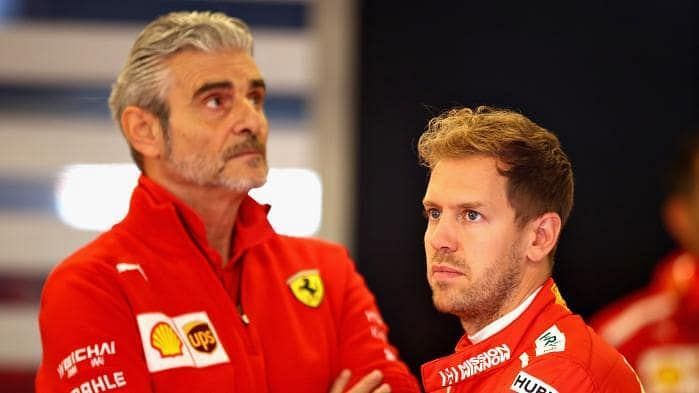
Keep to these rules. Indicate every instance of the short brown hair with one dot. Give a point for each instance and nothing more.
(540, 176)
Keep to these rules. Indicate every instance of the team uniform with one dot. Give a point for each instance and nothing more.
(540, 347)
(149, 306)
(657, 328)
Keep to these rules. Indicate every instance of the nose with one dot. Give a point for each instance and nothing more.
(249, 118)
(442, 236)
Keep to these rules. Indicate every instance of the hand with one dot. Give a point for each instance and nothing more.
(368, 384)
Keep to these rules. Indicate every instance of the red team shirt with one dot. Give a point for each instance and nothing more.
(148, 307)
(545, 349)
(657, 328)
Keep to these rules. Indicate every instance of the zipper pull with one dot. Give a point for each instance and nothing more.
(243, 316)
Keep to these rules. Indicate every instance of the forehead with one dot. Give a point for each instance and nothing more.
(192, 68)
(472, 179)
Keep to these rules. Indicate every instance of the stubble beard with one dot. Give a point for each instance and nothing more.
(209, 171)
(481, 301)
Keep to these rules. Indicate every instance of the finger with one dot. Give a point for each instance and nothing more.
(368, 383)
(341, 381)
(384, 388)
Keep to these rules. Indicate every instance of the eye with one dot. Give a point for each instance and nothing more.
(256, 98)
(472, 215)
(432, 214)
(213, 102)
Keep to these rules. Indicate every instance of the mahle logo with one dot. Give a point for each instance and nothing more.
(164, 338)
(200, 336)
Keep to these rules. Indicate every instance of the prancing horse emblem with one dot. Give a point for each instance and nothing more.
(307, 287)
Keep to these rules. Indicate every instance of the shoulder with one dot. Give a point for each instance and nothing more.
(311, 244)
(91, 268)
(572, 339)
(570, 355)
(323, 254)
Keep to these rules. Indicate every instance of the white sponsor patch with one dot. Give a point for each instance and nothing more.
(68, 367)
(669, 368)
(373, 317)
(187, 340)
(126, 267)
(201, 339)
(552, 340)
(162, 344)
(525, 383)
(102, 383)
(524, 358)
(475, 365)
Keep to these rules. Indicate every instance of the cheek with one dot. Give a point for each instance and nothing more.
(426, 243)
(483, 245)
(264, 133)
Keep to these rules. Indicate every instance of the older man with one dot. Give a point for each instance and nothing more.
(500, 190)
(193, 291)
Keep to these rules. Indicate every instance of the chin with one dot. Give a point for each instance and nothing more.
(443, 300)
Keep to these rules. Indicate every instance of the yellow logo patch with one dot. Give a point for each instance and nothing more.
(165, 340)
(558, 296)
(307, 286)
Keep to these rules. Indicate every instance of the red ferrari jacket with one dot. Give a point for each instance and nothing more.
(149, 307)
(546, 349)
(657, 328)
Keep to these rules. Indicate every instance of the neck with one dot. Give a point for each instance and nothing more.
(216, 206)
(218, 209)
(530, 282)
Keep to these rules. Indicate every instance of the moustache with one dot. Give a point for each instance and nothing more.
(251, 144)
(448, 259)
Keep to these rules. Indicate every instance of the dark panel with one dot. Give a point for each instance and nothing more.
(282, 14)
(91, 101)
(34, 195)
(22, 289)
(616, 82)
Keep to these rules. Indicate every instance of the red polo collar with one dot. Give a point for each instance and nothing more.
(160, 218)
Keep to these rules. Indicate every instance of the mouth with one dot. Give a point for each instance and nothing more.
(445, 272)
(245, 153)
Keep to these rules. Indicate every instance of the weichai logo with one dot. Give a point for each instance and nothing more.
(200, 336)
(164, 338)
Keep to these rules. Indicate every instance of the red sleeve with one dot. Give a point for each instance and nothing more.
(363, 338)
(89, 336)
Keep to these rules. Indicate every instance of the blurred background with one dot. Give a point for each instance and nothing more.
(351, 86)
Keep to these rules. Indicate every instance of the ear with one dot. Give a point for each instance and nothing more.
(143, 131)
(545, 230)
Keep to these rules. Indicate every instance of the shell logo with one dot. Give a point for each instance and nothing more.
(164, 338)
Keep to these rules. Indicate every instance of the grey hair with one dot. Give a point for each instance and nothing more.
(143, 80)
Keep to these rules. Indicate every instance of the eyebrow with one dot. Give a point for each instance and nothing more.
(212, 86)
(258, 83)
(466, 205)
(206, 87)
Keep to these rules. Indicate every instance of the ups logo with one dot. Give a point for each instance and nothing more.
(200, 336)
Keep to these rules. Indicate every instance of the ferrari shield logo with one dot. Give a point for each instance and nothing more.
(307, 286)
